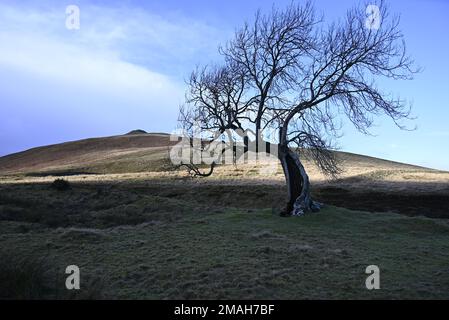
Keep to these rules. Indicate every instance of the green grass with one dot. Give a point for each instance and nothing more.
(33, 277)
(142, 244)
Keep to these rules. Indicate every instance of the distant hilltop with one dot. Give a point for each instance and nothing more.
(136, 151)
(138, 131)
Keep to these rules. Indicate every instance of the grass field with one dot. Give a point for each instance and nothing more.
(161, 235)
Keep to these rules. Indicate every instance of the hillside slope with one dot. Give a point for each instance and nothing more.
(124, 153)
(136, 152)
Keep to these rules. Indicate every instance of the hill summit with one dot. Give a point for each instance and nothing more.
(138, 131)
(136, 151)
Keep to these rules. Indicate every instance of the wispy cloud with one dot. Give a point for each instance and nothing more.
(125, 66)
(126, 38)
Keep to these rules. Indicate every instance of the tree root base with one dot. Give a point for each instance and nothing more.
(302, 209)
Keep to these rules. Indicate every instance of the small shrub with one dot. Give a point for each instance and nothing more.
(61, 185)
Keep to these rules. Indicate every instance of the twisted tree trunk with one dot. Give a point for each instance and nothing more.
(298, 185)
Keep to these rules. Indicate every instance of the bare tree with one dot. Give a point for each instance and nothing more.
(290, 71)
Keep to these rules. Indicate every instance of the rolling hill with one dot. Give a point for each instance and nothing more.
(131, 225)
(366, 183)
(136, 151)
(132, 152)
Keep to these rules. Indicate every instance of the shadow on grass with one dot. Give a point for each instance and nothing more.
(31, 278)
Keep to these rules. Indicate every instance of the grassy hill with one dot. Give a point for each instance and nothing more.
(136, 151)
(132, 152)
(366, 183)
(137, 230)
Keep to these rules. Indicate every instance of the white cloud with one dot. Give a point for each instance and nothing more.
(103, 71)
(123, 69)
(37, 42)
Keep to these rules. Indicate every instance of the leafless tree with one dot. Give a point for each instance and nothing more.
(291, 71)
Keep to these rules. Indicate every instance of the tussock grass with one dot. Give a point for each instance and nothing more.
(203, 241)
(138, 229)
(23, 278)
(35, 277)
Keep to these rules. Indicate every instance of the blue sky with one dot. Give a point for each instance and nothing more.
(125, 67)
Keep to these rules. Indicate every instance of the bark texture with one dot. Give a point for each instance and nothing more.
(298, 185)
